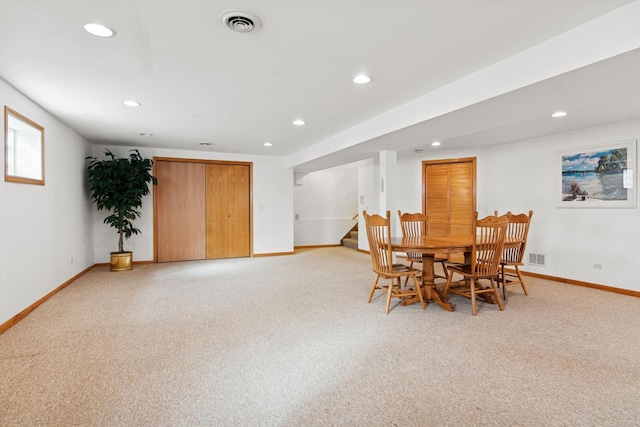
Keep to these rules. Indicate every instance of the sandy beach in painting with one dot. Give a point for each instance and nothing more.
(586, 186)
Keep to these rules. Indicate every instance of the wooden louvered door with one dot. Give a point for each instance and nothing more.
(449, 197)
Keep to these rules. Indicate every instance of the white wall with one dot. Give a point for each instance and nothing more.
(272, 206)
(524, 175)
(324, 205)
(45, 231)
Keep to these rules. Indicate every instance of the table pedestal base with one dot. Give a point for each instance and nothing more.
(430, 293)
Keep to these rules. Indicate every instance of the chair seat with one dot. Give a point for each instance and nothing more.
(401, 269)
(511, 263)
(460, 268)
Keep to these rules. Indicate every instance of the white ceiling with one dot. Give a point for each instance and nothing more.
(200, 82)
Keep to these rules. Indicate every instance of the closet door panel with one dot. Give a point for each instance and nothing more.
(437, 198)
(217, 212)
(462, 206)
(180, 211)
(238, 209)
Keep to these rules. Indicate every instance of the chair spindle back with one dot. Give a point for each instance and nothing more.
(518, 229)
(488, 244)
(413, 224)
(379, 231)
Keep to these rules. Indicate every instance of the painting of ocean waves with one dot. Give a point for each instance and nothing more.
(596, 185)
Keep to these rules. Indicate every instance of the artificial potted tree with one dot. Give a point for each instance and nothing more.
(117, 185)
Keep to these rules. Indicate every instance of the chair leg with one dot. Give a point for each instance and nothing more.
(524, 287)
(419, 289)
(389, 292)
(374, 287)
(494, 286)
(444, 270)
(446, 287)
(472, 284)
(504, 283)
(406, 279)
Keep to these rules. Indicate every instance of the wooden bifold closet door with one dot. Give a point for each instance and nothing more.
(202, 210)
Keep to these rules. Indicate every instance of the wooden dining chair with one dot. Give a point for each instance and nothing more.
(512, 256)
(417, 224)
(486, 253)
(379, 234)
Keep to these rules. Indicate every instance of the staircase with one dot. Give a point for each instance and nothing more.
(351, 239)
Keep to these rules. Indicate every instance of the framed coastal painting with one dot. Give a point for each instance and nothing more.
(601, 176)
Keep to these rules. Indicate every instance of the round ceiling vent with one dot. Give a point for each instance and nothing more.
(240, 20)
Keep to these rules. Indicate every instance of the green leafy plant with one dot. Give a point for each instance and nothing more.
(117, 184)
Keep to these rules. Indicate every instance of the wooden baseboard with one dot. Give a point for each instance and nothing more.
(107, 264)
(316, 246)
(15, 319)
(273, 254)
(584, 284)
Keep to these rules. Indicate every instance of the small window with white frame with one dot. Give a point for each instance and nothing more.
(23, 149)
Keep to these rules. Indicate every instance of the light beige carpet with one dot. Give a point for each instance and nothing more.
(291, 341)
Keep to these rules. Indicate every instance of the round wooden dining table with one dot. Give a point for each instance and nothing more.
(429, 246)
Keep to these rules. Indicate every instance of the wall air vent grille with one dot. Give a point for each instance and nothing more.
(536, 259)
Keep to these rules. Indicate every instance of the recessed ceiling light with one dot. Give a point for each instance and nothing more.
(418, 151)
(435, 143)
(559, 114)
(267, 144)
(99, 30)
(361, 79)
(145, 134)
(298, 122)
(130, 103)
